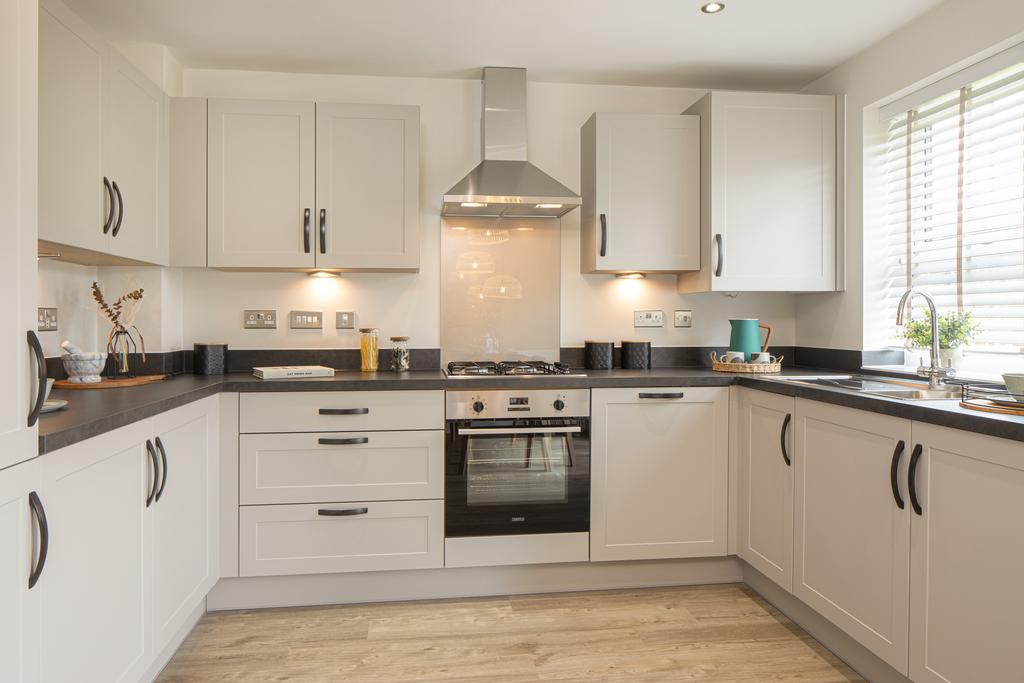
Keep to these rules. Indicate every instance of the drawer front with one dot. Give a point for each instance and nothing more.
(351, 466)
(306, 539)
(340, 411)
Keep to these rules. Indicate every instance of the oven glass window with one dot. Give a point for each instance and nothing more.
(513, 469)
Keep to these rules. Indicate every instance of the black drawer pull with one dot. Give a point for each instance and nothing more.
(604, 235)
(110, 212)
(163, 459)
(782, 439)
(676, 394)
(156, 472)
(349, 512)
(344, 411)
(915, 456)
(351, 441)
(120, 209)
(37, 404)
(894, 471)
(36, 507)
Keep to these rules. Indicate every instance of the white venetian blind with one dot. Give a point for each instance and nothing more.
(955, 206)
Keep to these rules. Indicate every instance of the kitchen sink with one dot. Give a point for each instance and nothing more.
(887, 387)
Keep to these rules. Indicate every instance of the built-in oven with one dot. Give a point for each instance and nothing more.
(517, 462)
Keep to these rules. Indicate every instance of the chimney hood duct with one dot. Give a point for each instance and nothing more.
(505, 183)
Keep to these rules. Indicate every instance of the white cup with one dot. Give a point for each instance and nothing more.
(762, 357)
(734, 357)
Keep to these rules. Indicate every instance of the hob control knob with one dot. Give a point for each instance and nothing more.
(478, 406)
(559, 404)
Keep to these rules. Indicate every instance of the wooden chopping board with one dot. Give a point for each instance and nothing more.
(110, 383)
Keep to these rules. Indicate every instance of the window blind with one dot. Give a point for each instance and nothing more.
(954, 207)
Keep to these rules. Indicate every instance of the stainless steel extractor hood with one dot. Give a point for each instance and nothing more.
(505, 183)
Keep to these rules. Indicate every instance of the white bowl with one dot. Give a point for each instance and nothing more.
(84, 368)
(1015, 385)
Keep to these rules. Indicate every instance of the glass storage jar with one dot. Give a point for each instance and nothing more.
(368, 346)
(399, 353)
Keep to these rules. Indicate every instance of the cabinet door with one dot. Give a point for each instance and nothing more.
(852, 539)
(94, 600)
(773, 191)
(659, 478)
(73, 202)
(766, 484)
(646, 202)
(261, 184)
(967, 552)
(133, 127)
(20, 540)
(367, 186)
(184, 519)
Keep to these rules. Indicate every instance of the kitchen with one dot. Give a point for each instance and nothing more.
(562, 483)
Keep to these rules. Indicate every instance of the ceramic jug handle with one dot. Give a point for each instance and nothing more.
(767, 337)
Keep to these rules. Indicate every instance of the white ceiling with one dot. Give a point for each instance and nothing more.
(770, 44)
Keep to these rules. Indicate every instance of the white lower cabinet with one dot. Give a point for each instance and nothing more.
(967, 551)
(659, 473)
(852, 560)
(20, 535)
(766, 453)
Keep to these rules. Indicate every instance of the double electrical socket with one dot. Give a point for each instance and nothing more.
(259, 319)
(648, 319)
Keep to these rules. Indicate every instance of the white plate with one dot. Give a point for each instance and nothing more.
(53, 405)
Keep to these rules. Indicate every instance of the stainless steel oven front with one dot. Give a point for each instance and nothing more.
(517, 462)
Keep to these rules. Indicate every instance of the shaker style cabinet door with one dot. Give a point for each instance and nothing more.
(20, 537)
(641, 193)
(967, 545)
(659, 473)
(367, 186)
(767, 456)
(852, 560)
(261, 188)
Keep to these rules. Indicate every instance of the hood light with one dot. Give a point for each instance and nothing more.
(473, 205)
(631, 276)
(712, 7)
(549, 206)
(323, 274)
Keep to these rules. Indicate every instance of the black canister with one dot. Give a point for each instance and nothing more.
(636, 355)
(598, 355)
(209, 359)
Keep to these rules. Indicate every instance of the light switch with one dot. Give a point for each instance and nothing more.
(684, 319)
(344, 320)
(306, 320)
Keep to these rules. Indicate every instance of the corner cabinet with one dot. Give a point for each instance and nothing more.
(641, 193)
(768, 193)
(303, 185)
(659, 473)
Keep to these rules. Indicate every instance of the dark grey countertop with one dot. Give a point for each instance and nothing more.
(93, 412)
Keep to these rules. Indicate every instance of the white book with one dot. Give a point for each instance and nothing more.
(292, 371)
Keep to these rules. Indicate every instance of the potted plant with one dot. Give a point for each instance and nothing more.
(956, 330)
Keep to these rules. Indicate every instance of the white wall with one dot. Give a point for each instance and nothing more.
(593, 306)
(950, 37)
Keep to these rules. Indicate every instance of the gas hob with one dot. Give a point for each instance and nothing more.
(513, 368)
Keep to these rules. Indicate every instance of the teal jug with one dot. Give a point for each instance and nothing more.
(746, 337)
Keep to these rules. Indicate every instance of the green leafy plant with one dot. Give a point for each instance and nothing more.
(956, 329)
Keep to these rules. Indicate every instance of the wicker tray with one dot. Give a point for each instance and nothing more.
(746, 368)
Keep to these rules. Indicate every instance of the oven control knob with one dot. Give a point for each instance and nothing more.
(559, 404)
(478, 406)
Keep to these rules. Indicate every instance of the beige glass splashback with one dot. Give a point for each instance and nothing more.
(500, 288)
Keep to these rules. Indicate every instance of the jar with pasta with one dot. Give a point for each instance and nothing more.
(399, 354)
(368, 347)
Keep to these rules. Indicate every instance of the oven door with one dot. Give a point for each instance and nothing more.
(524, 476)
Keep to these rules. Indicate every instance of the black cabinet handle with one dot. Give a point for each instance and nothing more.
(156, 472)
(344, 411)
(36, 507)
(353, 441)
(120, 209)
(37, 405)
(350, 512)
(305, 231)
(604, 234)
(721, 256)
(782, 439)
(644, 394)
(894, 470)
(163, 459)
(912, 478)
(323, 231)
(110, 204)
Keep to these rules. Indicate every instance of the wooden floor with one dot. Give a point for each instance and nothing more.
(703, 633)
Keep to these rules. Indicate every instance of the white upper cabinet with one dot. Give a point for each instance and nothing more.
(768, 208)
(367, 186)
(102, 150)
(261, 184)
(641, 193)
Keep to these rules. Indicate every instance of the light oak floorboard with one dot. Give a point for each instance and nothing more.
(701, 633)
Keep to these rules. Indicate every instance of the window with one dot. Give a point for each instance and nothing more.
(954, 184)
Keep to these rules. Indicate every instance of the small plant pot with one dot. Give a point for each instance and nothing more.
(952, 358)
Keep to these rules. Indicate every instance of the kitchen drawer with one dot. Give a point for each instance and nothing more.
(352, 466)
(340, 411)
(305, 539)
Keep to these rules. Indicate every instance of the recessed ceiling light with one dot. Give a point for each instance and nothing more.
(631, 276)
(712, 7)
(323, 273)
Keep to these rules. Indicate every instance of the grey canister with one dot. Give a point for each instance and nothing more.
(598, 355)
(636, 355)
(209, 359)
